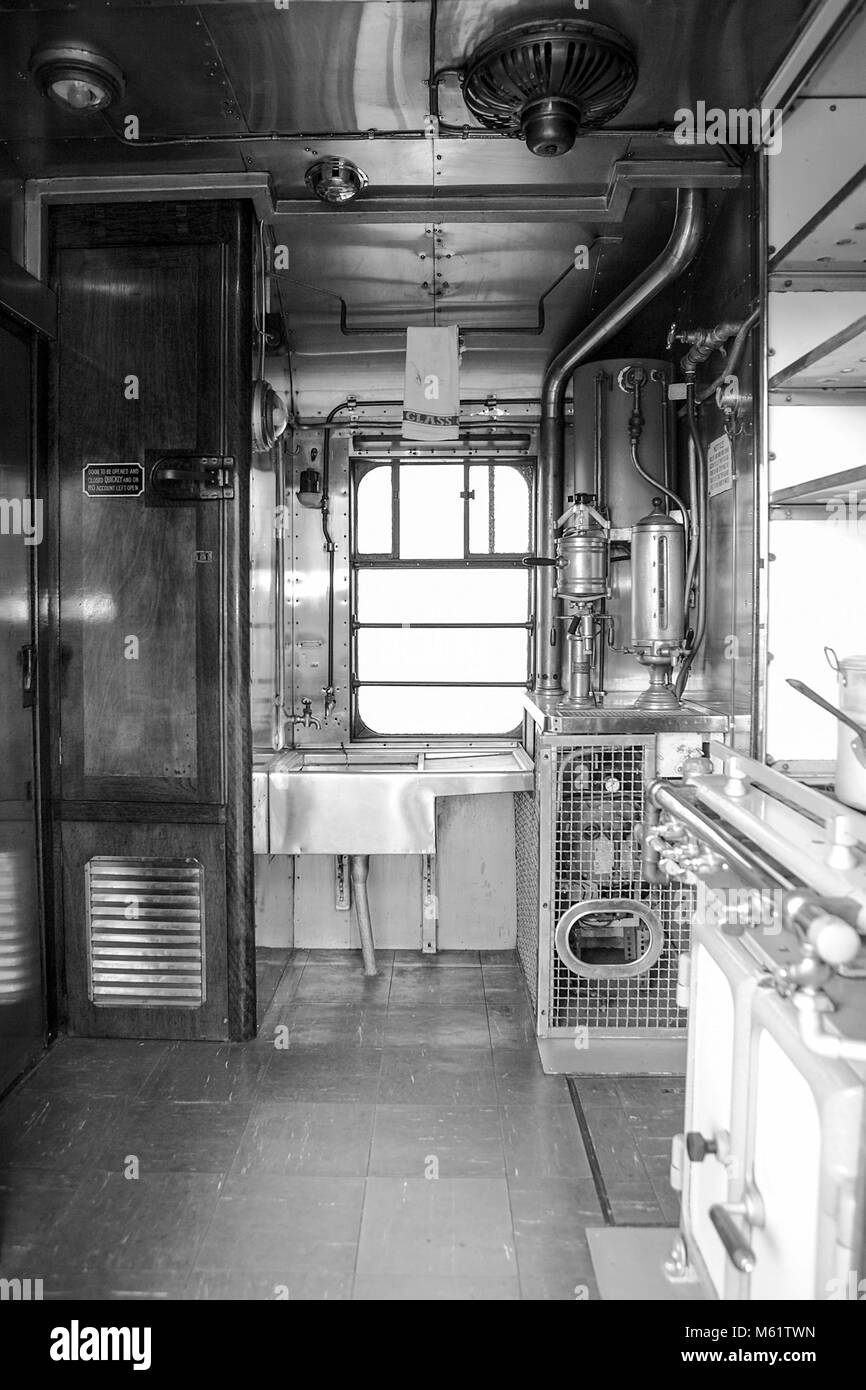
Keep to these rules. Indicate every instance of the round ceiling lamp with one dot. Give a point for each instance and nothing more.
(335, 180)
(76, 77)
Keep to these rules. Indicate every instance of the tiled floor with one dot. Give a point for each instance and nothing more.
(631, 1121)
(392, 1138)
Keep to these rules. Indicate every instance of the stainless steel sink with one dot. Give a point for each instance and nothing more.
(382, 801)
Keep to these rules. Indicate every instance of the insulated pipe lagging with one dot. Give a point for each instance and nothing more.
(682, 245)
(360, 869)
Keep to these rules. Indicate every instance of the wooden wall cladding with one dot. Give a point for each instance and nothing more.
(149, 619)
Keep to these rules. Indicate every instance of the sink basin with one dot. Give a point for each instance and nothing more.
(377, 801)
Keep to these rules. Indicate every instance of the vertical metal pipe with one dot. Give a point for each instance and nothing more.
(278, 726)
(677, 255)
(360, 868)
(760, 506)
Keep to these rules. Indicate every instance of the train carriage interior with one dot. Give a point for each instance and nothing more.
(433, 720)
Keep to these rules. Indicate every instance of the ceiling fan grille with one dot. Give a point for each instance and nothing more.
(549, 81)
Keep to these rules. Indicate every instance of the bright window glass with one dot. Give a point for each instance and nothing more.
(443, 598)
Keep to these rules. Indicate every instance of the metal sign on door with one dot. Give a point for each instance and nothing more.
(113, 479)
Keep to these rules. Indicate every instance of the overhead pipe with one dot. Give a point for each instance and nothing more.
(681, 248)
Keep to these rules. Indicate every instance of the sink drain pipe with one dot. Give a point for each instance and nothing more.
(360, 869)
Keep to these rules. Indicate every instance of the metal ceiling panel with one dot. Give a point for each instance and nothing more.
(686, 49)
(175, 82)
(337, 66)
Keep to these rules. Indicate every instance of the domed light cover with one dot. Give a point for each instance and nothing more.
(270, 417)
(76, 77)
(335, 180)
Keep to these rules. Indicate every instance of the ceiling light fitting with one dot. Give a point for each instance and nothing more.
(335, 180)
(76, 77)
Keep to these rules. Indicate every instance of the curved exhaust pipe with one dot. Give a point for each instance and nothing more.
(682, 245)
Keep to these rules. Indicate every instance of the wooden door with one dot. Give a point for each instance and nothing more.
(22, 1004)
(153, 768)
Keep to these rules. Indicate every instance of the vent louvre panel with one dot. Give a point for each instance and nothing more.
(154, 954)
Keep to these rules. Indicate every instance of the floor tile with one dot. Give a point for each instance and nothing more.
(438, 959)
(615, 1147)
(597, 1091)
(116, 1225)
(509, 1019)
(437, 1076)
(432, 1288)
(279, 1285)
(322, 1072)
(176, 1136)
(65, 1133)
(204, 1071)
(317, 1139)
(130, 1287)
(31, 1202)
(323, 985)
(553, 1210)
(446, 1024)
(464, 1143)
(358, 1025)
(450, 1226)
(433, 989)
(97, 1066)
(289, 1224)
(558, 1284)
(543, 1141)
(520, 1079)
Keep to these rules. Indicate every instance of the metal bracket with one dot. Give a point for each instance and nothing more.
(342, 883)
(429, 906)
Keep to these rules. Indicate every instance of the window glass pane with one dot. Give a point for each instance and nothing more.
(420, 710)
(373, 519)
(462, 654)
(442, 596)
(805, 614)
(431, 511)
(499, 511)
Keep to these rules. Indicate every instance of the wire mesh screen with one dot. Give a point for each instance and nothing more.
(526, 841)
(597, 802)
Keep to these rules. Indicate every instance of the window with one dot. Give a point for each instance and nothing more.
(441, 598)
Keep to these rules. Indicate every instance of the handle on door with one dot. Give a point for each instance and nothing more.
(739, 1252)
(28, 675)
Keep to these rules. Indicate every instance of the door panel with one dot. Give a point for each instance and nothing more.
(21, 992)
(139, 630)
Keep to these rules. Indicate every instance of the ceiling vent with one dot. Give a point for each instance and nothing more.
(550, 81)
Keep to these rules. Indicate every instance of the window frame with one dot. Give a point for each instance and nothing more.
(359, 468)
